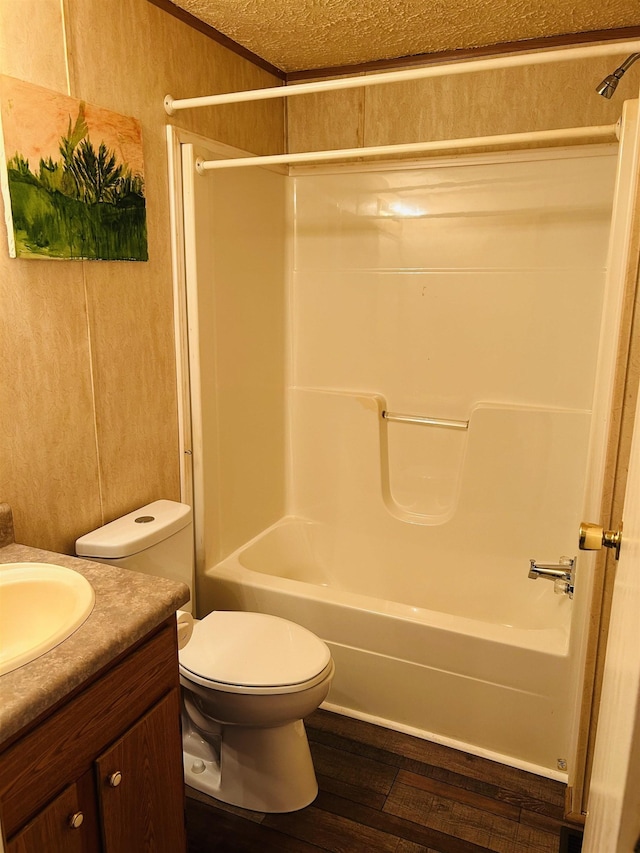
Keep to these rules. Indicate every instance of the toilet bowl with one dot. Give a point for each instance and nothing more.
(247, 679)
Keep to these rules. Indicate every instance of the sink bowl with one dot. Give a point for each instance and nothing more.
(40, 606)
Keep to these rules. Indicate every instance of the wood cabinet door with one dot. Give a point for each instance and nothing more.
(66, 825)
(141, 785)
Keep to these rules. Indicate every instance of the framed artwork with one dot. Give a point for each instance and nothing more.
(72, 177)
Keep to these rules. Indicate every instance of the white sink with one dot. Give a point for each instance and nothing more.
(40, 606)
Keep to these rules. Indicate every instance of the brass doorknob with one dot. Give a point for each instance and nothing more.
(593, 537)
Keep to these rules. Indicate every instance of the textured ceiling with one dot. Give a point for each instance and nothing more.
(303, 34)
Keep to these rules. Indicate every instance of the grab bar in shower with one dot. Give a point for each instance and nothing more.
(416, 419)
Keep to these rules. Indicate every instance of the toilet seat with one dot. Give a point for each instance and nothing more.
(254, 653)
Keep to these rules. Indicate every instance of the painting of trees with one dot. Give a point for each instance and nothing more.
(85, 202)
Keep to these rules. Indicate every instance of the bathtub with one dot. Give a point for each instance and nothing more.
(465, 672)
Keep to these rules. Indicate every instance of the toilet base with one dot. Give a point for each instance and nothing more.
(261, 769)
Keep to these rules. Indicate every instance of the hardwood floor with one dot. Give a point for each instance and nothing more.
(381, 790)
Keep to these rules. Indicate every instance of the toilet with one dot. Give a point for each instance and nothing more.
(248, 679)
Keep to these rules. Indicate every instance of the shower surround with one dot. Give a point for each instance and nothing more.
(466, 290)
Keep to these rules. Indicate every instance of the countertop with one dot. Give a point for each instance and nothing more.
(128, 605)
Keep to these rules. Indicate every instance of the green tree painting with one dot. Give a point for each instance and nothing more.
(85, 203)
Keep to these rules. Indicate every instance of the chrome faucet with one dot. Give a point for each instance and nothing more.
(560, 573)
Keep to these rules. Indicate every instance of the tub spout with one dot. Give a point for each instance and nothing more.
(561, 573)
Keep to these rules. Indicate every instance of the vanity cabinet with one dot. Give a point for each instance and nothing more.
(141, 796)
(103, 773)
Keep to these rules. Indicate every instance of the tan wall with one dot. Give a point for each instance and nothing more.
(88, 411)
(479, 104)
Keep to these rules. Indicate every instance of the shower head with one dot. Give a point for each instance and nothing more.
(608, 86)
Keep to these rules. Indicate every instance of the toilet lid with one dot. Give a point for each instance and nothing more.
(253, 650)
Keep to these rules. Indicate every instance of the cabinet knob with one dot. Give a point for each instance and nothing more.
(76, 820)
(115, 779)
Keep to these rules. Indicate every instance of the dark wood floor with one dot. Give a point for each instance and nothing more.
(385, 791)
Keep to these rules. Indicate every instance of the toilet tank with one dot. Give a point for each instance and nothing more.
(156, 539)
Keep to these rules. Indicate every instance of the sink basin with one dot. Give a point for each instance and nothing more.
(40, 606)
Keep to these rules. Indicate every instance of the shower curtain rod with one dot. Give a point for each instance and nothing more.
(171, 104)
(568, 134)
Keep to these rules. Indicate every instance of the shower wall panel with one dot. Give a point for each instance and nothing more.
(443, 287)
(237, 323)
(468, 291)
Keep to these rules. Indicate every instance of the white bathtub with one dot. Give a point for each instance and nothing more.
(497, 686)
